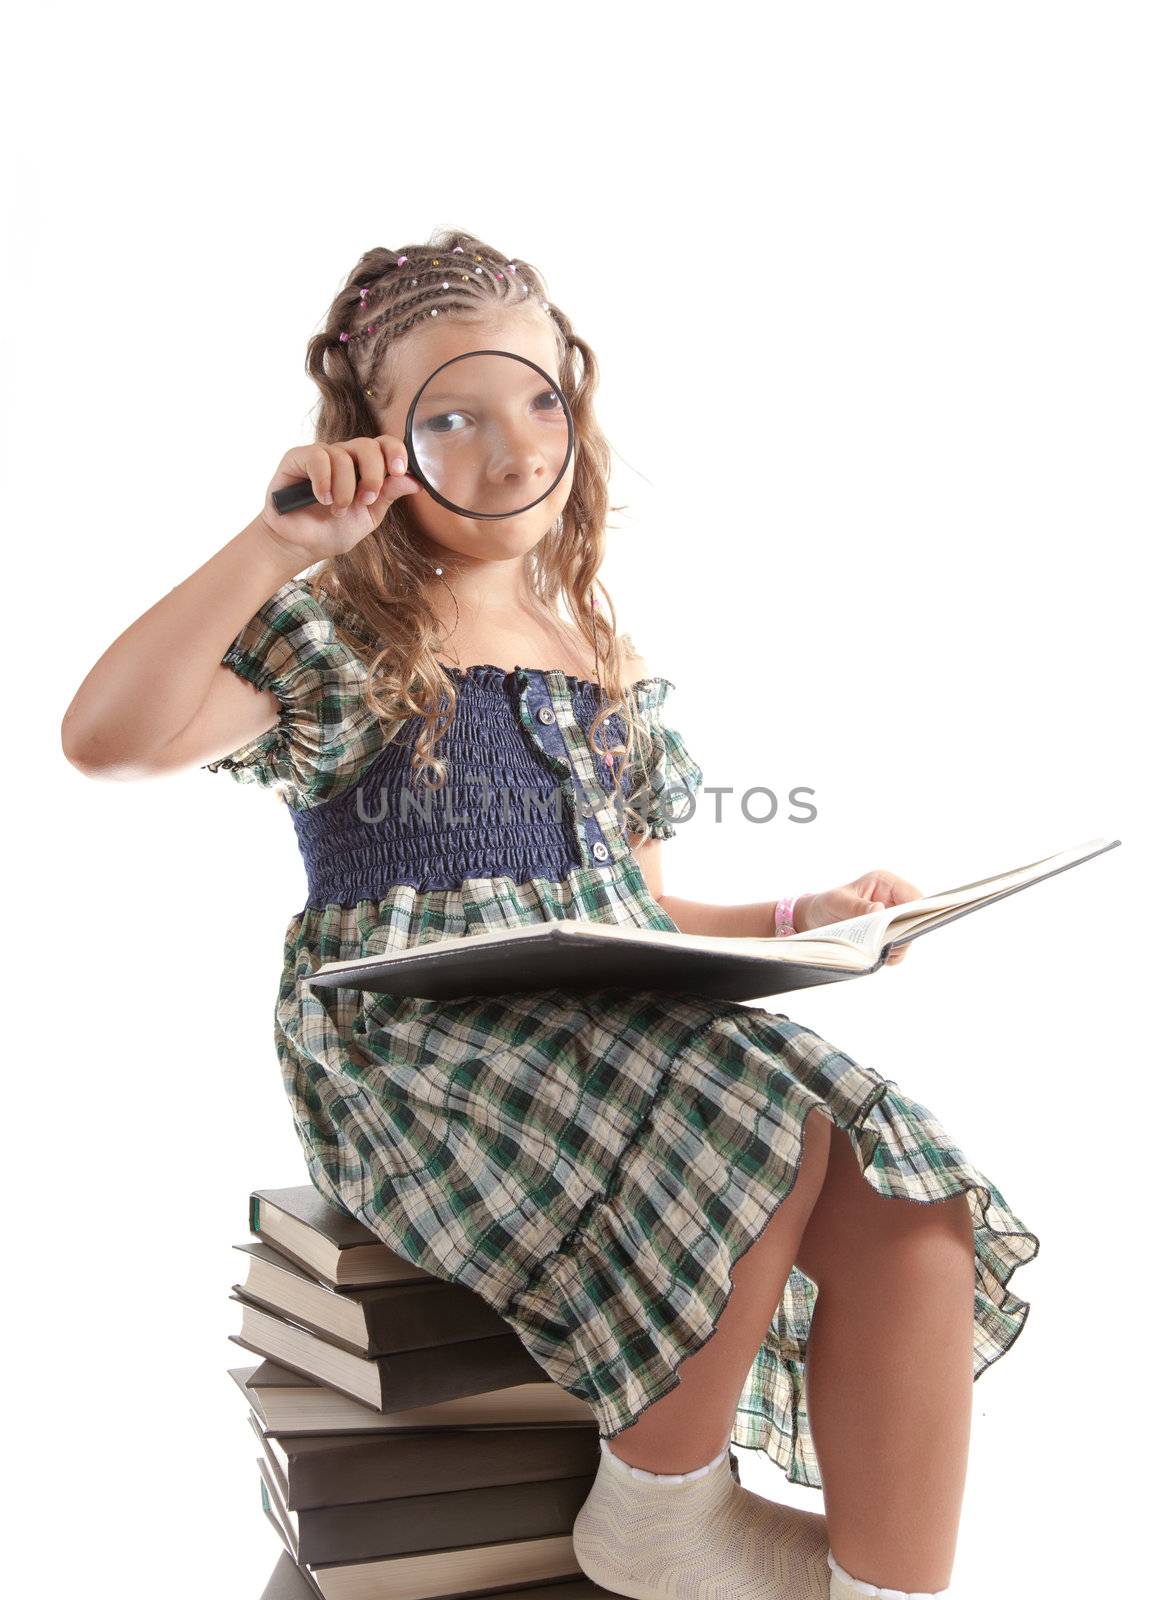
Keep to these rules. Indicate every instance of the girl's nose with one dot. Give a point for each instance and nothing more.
(517, 463)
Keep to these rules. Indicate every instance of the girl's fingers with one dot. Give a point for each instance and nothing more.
(343, 477)
(321, 479)
(394, 455)
(315, 464)
(369, 465)
(394, 488)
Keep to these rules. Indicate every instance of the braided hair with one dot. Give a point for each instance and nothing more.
(379, 590)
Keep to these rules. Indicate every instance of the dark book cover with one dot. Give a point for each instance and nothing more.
(290, 1582)
(339, 1469)
(448, 1520)
(502, 1566)
(394, 1382)
(329, 1243)
(381, 1318)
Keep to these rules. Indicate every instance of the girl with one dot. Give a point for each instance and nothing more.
(636, 1181)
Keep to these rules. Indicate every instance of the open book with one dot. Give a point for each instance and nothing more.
(579, 955)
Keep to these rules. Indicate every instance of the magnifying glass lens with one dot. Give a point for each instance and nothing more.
(490, 434)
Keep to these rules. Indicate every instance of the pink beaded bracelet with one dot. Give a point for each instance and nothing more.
(783, 916)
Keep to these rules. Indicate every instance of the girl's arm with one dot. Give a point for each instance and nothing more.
(161, 698)
(165, 669)
(854, 899)
(749, 921)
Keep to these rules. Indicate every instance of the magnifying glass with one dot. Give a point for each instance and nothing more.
(485, 431)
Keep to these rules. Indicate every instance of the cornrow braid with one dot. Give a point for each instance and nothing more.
(390, 293)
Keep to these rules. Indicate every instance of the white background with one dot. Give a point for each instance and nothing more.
(876, 293)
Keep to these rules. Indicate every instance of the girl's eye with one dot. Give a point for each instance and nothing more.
(456, 421)
(435, 424)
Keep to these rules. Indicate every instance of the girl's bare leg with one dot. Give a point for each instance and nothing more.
(691, 1424)
(889, 1373)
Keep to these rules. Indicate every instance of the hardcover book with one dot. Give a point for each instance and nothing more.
(579, 955)
(329, 1243)
(373, 1320)
(393, 1382)
(295, 1406)
(351, 1468)
(436, 1573)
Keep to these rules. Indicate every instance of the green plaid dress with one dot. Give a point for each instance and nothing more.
(591, 1165)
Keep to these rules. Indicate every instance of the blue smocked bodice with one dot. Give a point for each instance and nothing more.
(511, 805)
(526, 825)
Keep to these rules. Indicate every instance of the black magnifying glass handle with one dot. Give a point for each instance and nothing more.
(294, 496)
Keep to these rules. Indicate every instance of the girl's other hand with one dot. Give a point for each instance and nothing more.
(873, 891)
(349, 473)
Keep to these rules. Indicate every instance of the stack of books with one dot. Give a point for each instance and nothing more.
(409, 1444)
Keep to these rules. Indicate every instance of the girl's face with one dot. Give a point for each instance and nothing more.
(523, 470)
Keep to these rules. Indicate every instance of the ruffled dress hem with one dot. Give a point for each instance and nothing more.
(581, 1310)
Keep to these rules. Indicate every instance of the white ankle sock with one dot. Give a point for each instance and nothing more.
(844, 1587)
(662, 1477)
(686, 1535)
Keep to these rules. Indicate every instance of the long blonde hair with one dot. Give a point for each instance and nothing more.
(377, 591)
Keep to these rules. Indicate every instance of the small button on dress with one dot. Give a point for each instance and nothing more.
(592, 1165)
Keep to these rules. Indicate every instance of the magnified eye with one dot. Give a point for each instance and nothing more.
(436, 424)
(550, 396)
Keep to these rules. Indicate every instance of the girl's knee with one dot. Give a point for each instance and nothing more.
(931, 1240)
(936, 1246)
(854, 1229)
(955, 1218)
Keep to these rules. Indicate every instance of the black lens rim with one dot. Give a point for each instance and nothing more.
(488, 516)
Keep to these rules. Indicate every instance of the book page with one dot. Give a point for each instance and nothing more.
(870, 932)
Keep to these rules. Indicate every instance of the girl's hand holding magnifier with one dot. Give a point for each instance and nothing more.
(356, 481)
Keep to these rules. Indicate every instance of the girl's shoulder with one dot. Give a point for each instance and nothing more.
(314, 600)
(327, 730)
(649, 689)
(297, 605)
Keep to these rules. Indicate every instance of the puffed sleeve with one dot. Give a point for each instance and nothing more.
(667, 777)
(325, 735)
